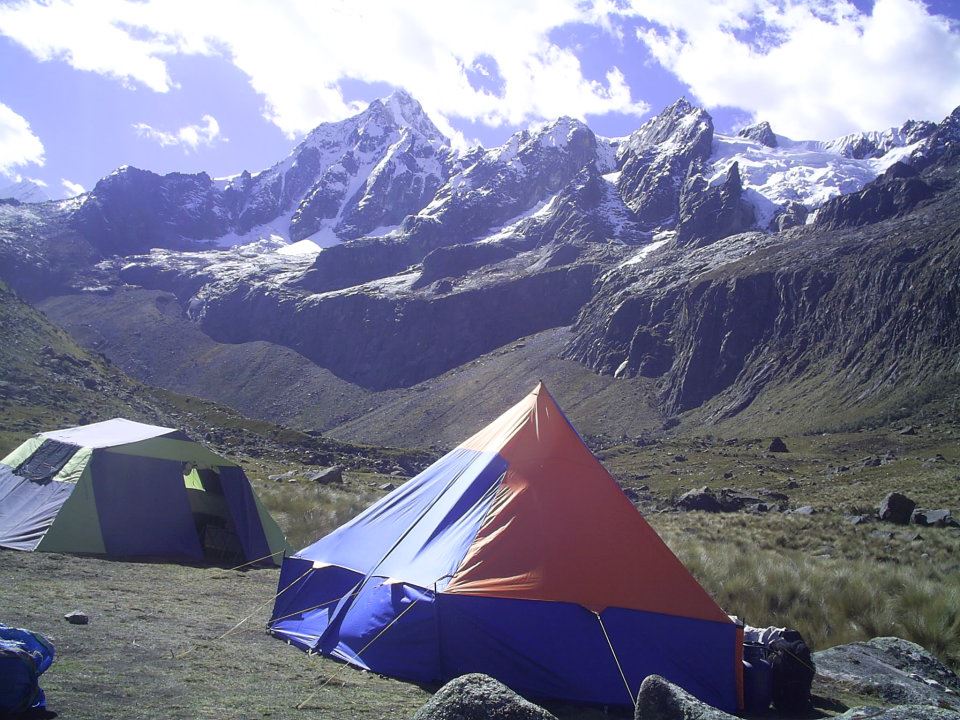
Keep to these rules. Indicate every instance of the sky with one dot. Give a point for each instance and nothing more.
(226, 85)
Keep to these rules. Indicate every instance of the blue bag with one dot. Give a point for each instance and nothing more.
(24, 656)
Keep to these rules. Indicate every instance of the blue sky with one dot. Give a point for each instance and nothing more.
(224, 86)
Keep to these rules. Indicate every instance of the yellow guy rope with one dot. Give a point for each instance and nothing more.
(315, 607)
(359, 653)
(257, 560)
(613, 652)
(255, 611)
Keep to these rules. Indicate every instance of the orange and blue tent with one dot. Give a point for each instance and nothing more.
(516, 555)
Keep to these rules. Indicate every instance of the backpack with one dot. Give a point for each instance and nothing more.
(793, 672)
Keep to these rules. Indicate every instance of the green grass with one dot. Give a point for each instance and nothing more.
(833, 581)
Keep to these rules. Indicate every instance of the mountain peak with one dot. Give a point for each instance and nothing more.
(405, 111)
(760, 132)
(26, 190)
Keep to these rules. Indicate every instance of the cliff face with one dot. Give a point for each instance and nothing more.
(868, 303)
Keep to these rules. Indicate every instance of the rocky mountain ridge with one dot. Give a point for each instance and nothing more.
(670, 251)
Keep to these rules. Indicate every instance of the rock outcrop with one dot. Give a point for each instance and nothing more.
(750, 310)
(899, 712)
(710, 213)
(479, 697)
(660, 699)
(760, 132)
(896, 508)
(893, 670)
(656, 158)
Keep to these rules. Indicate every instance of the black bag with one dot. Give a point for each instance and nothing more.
(793, 672)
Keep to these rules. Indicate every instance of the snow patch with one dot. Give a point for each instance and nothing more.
(659, 240)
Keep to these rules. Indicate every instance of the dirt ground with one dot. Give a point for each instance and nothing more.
(129, 662)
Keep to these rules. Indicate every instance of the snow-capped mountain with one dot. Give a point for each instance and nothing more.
(25, 191)
(346, 179)
(778, 172)
(381, 255)
(389, 173)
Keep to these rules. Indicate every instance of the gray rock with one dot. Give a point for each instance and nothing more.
(761, 132)
(709, 213)
(388, 487)
(332, 474)
(892, 670)
(934, 518)
(702, 499)
(777, 445)
(792, 214)
(896, 508)
(901, 712)
(479, 697)
(280, 477)
(77, 617)
(909, 430)
(858, 519)
(660, 699)
(804, 510)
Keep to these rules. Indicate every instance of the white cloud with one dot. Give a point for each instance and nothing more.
(297, 53)
(811, 68)
(19, 146)
(189, 137)
(95, 36)
(72, 189)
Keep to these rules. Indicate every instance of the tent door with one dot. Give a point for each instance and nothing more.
(211, 515)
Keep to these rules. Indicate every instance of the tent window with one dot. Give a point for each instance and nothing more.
(46, 461)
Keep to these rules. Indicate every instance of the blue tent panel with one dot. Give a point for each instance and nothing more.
(420, 532)
(28, 508)
(306, 605)
(540, 649)
(407, 650)
(558, 650)
(130, 491)
(243, 512)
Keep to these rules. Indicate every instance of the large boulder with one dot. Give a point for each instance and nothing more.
(326, 476)
(479, 697)
(660, 699)
(934, 518)
(896, 508)
(892, 670)
(703, 499)
(777, 445)
(900, 712)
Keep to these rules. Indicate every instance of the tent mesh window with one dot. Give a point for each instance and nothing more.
(46, 461)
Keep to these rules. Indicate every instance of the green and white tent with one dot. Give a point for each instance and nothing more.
(125, 489)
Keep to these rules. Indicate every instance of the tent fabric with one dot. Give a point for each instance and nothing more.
(128, 491)
(47, 461)
(162, 497)
(510, 556)
(27, 508)
(72, 471)
(76, 528)
(22, 452)
(109, 433)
